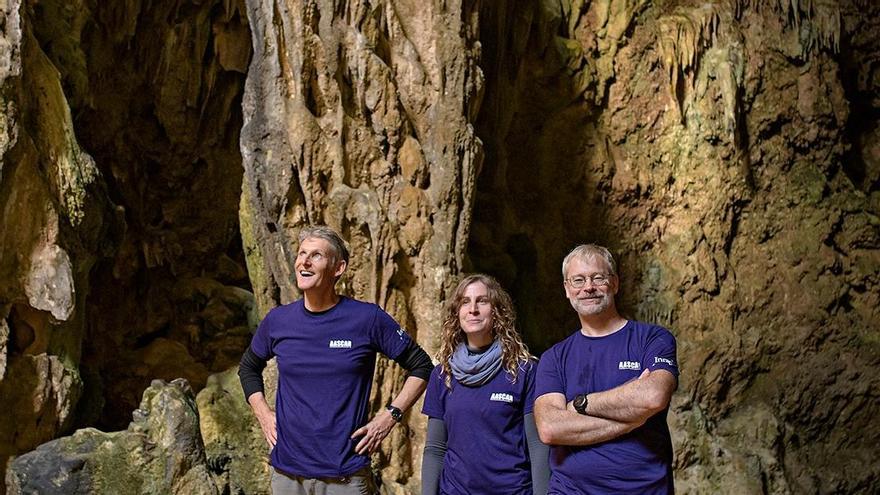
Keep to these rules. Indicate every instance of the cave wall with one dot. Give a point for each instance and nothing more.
(54, 224)
(726, 151)
(359, 115)
(120, 257)
(156, 88)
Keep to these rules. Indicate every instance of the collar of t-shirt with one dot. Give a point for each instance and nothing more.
(324, 312)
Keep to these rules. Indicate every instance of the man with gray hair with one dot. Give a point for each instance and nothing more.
(603, 393)
(325, 345)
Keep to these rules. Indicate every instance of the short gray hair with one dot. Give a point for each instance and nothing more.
(589, 251)
(337, 245)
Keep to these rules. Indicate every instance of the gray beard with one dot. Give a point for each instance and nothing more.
(591, 309)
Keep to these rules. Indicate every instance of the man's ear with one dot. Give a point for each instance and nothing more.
(340, 268)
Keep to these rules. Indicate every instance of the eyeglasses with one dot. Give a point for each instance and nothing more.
(597, 280)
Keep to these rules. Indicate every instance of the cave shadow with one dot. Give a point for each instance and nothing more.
(535, 198)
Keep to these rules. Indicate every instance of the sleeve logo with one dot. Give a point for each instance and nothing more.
(665, 361)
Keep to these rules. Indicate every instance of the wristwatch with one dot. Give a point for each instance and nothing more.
(580, 404)
(396, 413)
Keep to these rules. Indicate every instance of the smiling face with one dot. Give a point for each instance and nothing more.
(591, 299)
(316, 267)
(475, 315)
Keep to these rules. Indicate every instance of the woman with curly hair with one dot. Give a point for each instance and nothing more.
(481, 433)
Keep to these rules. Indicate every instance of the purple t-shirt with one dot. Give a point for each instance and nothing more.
(486, 449)
(325, 371)
(637, 462)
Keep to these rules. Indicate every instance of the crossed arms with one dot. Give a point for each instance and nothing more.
(610, 413)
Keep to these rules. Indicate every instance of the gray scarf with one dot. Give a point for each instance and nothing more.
(475, 369)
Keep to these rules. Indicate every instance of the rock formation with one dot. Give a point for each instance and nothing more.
(727, 151)
(56, 219)
(160, 452)
(120, 259)
(234, 443)
(359, 116)
(157, 91)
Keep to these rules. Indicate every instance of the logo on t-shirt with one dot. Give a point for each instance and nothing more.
(400, 332)
(665, 361)
(340, 344)
(629, 365)
(501, 397)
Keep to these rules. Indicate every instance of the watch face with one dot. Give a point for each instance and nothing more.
(396, 413)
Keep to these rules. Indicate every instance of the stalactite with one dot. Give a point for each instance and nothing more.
(822, 19)
(689, 30)
(684, 35)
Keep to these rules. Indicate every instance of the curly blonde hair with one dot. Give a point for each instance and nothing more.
(514, 352)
